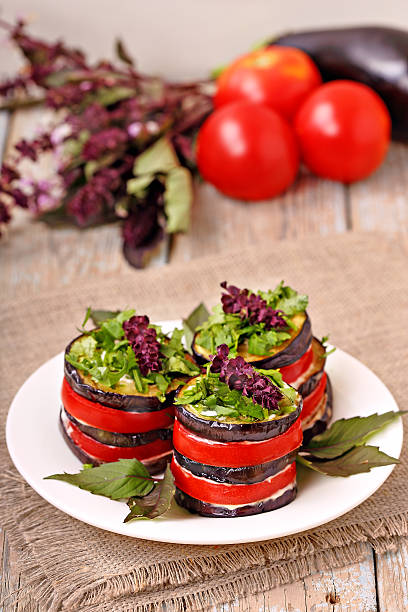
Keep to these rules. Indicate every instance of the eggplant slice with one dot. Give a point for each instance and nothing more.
(119, 439)
(156, 465)
(129, 402)
(320, 424)
(241, 475)
(309, 380)
(222, 431)
(197, 506)
(288, 352)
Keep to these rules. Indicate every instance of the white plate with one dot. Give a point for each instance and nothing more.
(38, 449)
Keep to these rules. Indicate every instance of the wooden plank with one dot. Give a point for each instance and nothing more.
(392, 579)
(344, 589)
(380, 202)
(348, 589)
(4, 120)
(310, 207)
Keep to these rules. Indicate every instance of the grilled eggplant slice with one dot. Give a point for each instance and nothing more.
(155, 465)
(197, 506)
(241, 475)
(231, 430)
(224, 431)
(125, 397)
(286, 353)
(306, 383)
(324, 414)
(119, 439)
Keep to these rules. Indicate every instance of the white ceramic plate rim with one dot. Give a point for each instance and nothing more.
(320, 499)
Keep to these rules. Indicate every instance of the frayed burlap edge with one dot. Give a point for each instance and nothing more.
(263, 563)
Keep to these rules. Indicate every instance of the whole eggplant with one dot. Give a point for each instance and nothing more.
(376, 56)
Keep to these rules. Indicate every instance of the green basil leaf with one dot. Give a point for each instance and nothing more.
(156, 503)
(178, 198)
(107, 96)
(344, 434)
(116, 480)
(161, 382)
(138, 185)
(356, 461)
(99, 316)
(197, 317)
(158, 158)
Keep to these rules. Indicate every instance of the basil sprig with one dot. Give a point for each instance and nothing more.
(128, 479)
(342, 450)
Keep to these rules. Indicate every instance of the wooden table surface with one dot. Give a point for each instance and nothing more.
(34, 258)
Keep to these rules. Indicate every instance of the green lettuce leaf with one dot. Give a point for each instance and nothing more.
(286, 299)
(83, 347)
(262, 343)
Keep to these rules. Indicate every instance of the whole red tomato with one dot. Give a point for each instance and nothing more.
(247, 151)
(343, 130)
(278, 77)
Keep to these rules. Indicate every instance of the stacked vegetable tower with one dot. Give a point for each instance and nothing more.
(271, 329)
(236, 435)
(118, 391)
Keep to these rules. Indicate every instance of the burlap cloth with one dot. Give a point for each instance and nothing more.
(358, 288)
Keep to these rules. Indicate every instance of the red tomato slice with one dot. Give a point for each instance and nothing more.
(105, 452)
(291, 372)
(311, 401)
(223, 494)
(235, 454)
(112, 419)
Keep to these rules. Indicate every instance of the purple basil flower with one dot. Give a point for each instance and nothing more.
(19, 197)
(93, 118)
(250, 306)
(143, 340)
(104, 142)
(241, 376)
(8, 174)
(67, 95)
(27, 149)
(89, 201)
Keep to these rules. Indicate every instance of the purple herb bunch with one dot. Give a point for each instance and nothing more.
(111, 114)
(144, 343)
(251, 307)
(241, 376)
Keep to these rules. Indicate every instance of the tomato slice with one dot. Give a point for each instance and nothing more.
(235, 454)
(113, 419)
(311, 401)
(105, 452)
(223, 494)
(291, 372)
